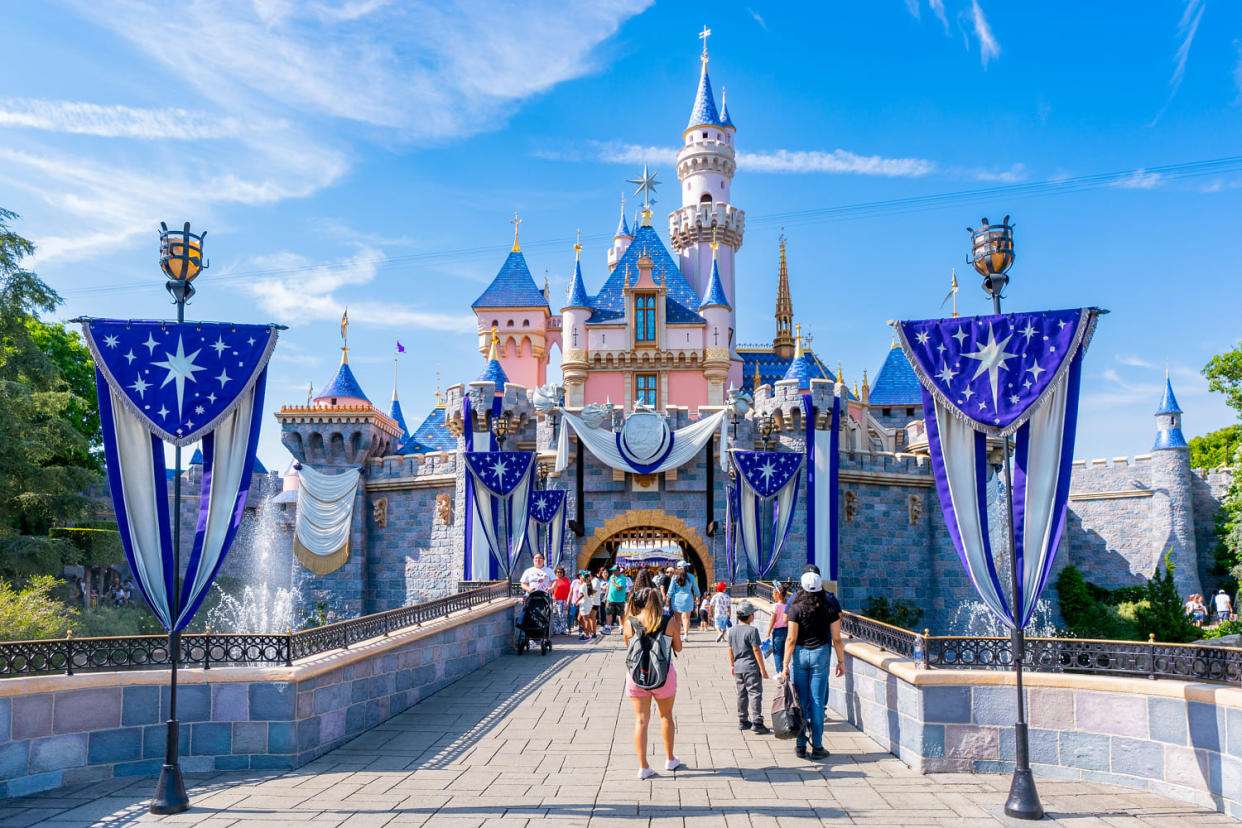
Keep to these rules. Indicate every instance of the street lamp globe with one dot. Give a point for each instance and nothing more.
(992, 255)
(181, 259)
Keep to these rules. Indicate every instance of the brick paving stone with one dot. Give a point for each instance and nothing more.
(530, 741)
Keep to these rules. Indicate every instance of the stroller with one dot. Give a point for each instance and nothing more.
(535, 623)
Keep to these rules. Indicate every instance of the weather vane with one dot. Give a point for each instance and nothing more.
(646, 184)
(703, 36)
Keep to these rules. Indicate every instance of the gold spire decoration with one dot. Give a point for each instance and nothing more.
(492, 351)
(757, 381)
(345, 337)
(840, 372)
(798, 343)
(627, 274)
(952, 294)
(782, 345)
(515, 221)
(715, 244)
(856, 394)
(703, 36)
(439, 395)
(578, 242)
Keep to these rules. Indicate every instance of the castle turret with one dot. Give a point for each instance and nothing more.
(515, 310)
(705, 166)
(717, 312)
(494, 372)
(394, 410)
(574, 315)
(620, 240)
(783, 344)
(1172, 506)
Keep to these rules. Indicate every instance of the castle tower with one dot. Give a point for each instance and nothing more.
(705, 166)
(574, 315)
(715, 309)
(620, 241)
(514, 312)
(783, 345)
(394, 410)
(1172, 506)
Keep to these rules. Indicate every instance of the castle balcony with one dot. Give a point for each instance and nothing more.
(692, 225)
(706, 156)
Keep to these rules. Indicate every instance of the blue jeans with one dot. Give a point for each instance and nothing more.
(779, 636)
(810, 677)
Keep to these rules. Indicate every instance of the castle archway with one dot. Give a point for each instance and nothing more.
(647, 525)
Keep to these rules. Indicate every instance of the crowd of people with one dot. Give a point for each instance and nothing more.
(117, 592)
(1197, 608)
(655, 611)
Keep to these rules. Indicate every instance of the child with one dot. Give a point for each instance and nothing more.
(586, 611)
(722, 604)
(746, 661)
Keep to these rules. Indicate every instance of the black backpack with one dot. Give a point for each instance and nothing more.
(650, 656)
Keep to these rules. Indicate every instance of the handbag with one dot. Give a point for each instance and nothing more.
(787, 717)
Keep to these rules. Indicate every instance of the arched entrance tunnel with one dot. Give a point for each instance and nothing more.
(644, 526)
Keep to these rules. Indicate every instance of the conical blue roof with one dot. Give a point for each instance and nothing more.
(1168, 405)
(681, 299)
(395, 413)
(802, 370)
(513, 287)
(577, 290)
(432, 435)
(896, 383)
(623, 229)
(715, 291)
(495, 374)
(725, 120)
(704, 112)
(344, 384)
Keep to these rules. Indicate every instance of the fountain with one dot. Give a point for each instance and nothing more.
(974, 618)
(266, 603)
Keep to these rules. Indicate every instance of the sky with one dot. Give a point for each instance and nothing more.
(371, 153)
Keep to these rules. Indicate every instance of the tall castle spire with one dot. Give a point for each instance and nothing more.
(783, 344)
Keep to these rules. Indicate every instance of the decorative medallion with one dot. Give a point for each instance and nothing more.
(645, 436)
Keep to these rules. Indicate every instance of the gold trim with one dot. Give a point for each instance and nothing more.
(1118, 495)
(320, 564)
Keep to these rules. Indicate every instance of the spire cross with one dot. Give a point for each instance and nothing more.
(703, 36)
(578, 242)
(714, 243)
(345, 336)
(515, 221)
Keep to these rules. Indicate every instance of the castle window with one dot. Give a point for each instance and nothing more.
(887, 412)
(509, 324)
(704, 134)
(525, 323)
(644, 317)
(706, 198)
(495, 323)
(645, 389)
(909, 412)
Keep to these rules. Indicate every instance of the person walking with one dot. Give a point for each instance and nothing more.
(749, 669)
(575, 592)
(683, 593)
(560, 602)
(650, 622)
(586, 610)
(600, 582)
(618, 587)
(722, 606)
(1224, 607)
(778, 627)
(814, 619)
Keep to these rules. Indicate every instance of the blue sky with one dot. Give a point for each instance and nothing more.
(371, 153)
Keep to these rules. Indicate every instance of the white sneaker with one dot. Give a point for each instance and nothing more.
(646, 773)
(672, 764)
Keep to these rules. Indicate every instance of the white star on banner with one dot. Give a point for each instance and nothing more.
(922, 337)
(1061, 324)
(1013, 398)
(163, 412)
(992, 357)
(499, 470)
(198, 409)
(150, 343)
(767, 470)
(1028, 331)
(947, 374)
(140, 385)
(130, 356)
(960, 336)
(110, 341)
(223, 378)
(180, 368)
(211, 398)
(1036, 370)
(219, 347)
(968, 393)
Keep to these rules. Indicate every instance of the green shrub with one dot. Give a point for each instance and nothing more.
(32, 612)
(96, 547)
(1223, 628)
(1089, 610)
(111, 620)
(898, 614)
(1127, 595)
(1165, 614)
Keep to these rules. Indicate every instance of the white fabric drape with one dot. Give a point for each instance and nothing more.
(825, 494)
(136, 458)
(491, 522)
(325, 509)
(687, 442)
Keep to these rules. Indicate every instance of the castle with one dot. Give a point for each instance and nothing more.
(660, 331)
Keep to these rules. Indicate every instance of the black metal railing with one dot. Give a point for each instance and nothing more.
(515, 589)
(206, 650)
(885, 636)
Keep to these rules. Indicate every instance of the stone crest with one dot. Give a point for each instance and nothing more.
(851, 504)
(379, 511)
(444, 509)
(915, 506)
(644, 435)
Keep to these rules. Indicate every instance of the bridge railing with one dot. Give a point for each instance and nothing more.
(206, 650)
(1149, 659)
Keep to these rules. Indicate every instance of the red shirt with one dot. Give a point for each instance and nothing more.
(560, 589)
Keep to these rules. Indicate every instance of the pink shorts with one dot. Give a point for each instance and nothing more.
(666, 692)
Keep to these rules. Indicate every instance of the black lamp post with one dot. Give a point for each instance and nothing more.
(767, 427)
(992, 256)
(181, 259)
(541, 475)
(500, 430)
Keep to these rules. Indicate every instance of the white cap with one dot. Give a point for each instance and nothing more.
(682, 564)
(812, 582)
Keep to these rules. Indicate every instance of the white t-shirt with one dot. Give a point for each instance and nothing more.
(586, 603)
(1222, 602)
(537, 578)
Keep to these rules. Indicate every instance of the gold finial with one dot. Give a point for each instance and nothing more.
(578, 243)
(703, 36)
(627, 274)
(439, 395)
(663, 277)
(515, 222)
(756, 384)
(714, 243)
(492, 351)
(798, 342)
(856, 389)
(840, 372)
(894, 345)
(646, 214)
(345, 336)
(865, 379)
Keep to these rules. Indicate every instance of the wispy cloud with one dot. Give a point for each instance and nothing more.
(1187, 28)
(937, 7)
(78, 118)
(1133, 361)
(312, 294)
(758, 18)
(989, 49)
(775, 161)
(1140, 180)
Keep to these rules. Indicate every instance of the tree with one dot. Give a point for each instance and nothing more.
(43, 479)
(33, 612)
(1224, 374)
(1165, 614)
(1216, 448)
(65, 347)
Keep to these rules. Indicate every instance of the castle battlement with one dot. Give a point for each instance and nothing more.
(885, 461)
(1104, 462)
(694, 223)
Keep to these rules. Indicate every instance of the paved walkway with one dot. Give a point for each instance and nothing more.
(536, 740)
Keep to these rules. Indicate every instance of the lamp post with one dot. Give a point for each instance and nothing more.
(500, 430)
(541, 475)
(767, 427)
(992, 255)
(181, 259)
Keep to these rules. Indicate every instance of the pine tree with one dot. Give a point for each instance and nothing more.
(1165, 615)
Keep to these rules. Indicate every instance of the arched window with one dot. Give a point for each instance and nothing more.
(495, 323)
(644, 317)
(525, 323)
(706, 198)
(509, 324)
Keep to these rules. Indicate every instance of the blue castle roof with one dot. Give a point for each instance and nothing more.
(704, 112)
(609, 303)
(715, 290)
(577, 289)
(1168, 404)
(513, 287)
(431, 435)
(773, 368)
(623, 229)
(494, 373)
(344, 384)
(395, 413)
(803, 370)
(725, 120)
(896, 383)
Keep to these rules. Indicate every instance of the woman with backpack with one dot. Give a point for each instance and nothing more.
(814, 620)
(651, 639)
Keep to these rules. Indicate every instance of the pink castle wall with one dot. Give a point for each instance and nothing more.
(687, 388)
(605, 385)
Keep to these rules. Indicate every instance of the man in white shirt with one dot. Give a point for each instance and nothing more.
(1224, 607)
(538, 577)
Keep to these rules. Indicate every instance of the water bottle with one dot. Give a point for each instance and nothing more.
(918, 652)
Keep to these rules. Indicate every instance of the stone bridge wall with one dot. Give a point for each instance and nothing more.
(60, 730)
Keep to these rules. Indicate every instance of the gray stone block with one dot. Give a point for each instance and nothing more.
(1166, 720)
(111, 746)
(140, 705)
(1084, 750)
(1044, 745)
(32, 716)
(946, 704)
(249, 737)
(229, 702)
(1138, 757)
(994, 705)
(272, 701)
(1206, 724)
(14, 759)
(56, 752)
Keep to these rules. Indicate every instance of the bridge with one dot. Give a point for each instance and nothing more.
(530, 740)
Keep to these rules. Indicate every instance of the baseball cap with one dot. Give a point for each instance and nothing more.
(682, 565)
(810, 568)
(745, 609)
(811, 582)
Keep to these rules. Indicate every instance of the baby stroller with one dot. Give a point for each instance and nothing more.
(535, 623)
